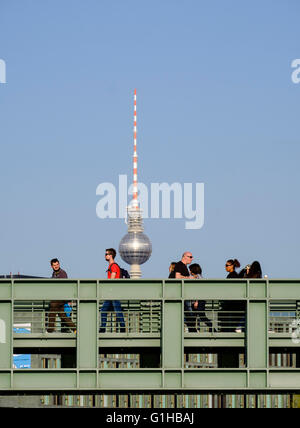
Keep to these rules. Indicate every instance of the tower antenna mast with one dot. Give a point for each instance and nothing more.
(135, 202)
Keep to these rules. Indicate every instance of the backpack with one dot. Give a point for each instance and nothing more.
(123, 272)
(67, 309)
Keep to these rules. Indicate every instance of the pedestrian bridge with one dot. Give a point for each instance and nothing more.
(245, 338)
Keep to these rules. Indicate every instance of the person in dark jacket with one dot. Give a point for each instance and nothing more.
(57, 306)
(254, 271)
(172, 270)
(230, 267)
(231, 310)
(181, 271)
(58, 272)
(250, 271)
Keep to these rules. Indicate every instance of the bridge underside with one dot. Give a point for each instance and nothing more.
(244, 339)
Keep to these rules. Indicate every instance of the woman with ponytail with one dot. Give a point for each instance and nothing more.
(230, 317)
(230, 267)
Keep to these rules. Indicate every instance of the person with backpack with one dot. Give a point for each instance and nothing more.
(113, 272)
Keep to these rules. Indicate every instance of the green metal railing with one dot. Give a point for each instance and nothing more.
(157, 329)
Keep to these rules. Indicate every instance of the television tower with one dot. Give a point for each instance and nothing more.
(135, 247)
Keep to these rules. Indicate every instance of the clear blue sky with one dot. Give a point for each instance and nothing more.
(216, 104)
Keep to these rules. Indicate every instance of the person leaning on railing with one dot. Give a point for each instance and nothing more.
(57, 306)
(198, 306)
(181, 272)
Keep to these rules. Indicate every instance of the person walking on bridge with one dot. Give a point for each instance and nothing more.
(57, 306)
(113, 272)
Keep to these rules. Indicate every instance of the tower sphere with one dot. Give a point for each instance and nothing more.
(135, 248)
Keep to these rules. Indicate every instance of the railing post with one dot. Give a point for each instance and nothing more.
(6, 346)
(5, 335)
(87, 335)
(173, 338)
(257, 340)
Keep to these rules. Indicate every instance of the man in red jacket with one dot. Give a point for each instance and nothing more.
(113, 272)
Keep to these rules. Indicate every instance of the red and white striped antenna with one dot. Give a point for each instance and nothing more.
(135, 202)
